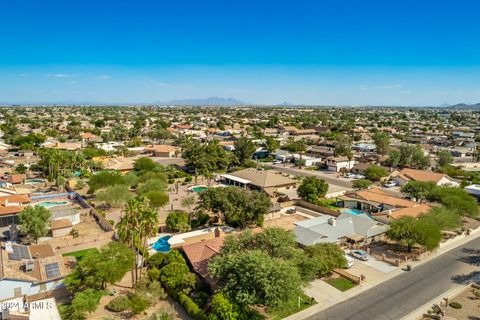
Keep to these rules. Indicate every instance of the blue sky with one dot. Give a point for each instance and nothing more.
(313, 52)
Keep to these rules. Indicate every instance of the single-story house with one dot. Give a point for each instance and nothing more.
(29, 270)
(407, 174)
(267, 180)
(163, 150)
(344, 228)
(199, 255)
(379, 204)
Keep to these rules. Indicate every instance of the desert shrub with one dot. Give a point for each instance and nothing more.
(118, 304)
(138, 303)
(153, 274)
(161, 315)
(455, 305)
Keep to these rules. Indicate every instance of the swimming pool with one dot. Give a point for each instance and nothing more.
(49, 204)
(162, 245)
(353, 211)
(198, 188)
(32, 181)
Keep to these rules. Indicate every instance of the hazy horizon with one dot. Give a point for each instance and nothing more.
(406, 53)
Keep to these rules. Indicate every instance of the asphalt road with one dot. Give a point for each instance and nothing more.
(328, 177)
(410, 290)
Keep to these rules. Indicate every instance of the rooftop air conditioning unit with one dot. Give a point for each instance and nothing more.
(29, 266)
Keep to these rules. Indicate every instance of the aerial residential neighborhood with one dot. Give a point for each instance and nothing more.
(240, 160)
(170, 217)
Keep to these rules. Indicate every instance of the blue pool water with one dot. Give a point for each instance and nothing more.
(49, 204)
(162, 245)
(353, 211)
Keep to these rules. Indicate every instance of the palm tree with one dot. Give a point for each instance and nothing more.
(148, 225)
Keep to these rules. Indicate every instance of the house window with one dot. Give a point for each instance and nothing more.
(43, 287)
(17, 292)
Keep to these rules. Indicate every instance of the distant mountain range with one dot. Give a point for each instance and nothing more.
(475, 106)
(212, 101)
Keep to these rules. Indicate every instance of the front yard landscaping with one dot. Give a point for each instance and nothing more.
(340, 283)
(292, 307)
(80, 254)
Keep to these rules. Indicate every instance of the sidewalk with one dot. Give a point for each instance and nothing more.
(332, 298)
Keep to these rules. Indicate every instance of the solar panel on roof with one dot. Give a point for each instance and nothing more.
(52, 270)
(13, 256)
(21, 251)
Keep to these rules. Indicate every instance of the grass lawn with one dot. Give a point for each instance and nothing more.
(291, 307)
(328, 203)
(340, 283)
(80, 254)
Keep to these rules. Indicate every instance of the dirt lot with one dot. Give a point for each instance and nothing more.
(286, 221)
(470, 306)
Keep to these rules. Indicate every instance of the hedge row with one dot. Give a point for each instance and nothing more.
(189, 305)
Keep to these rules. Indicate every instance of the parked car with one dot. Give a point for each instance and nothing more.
(277, 162)
(390, 184)
(359, 254)
(291, 211)
(359, 176)
(350, 175)
(350, 261)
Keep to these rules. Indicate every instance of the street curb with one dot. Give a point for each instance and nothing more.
(352, 293)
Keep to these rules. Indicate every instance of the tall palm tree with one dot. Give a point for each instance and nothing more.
(148, 226)
(133, 230)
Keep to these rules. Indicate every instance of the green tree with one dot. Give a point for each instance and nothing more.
(244, 149)
(151, 185)
(382, 141)
(104, 179)
(236, 206)
(85, 302)
(98, 268)
(271, 144)
(115, 196)
(455, 199)
(361, 184)
(312, 189)
(418, 189)
(410, 232)
(375, 173)
(394, 158)
(343, 146)
(444, 218)
(326, 257)
(178, 221)
(222, 308)
(254, 277)
(34, 221)
(444, 157)
(145, 164)
(177, 276)
(157, 198)
(188, 202)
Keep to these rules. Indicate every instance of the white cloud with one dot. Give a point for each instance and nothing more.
(72, 82)
(389, 86)
(160, 84)
(23, 75)
(61, 75)
(104, 77)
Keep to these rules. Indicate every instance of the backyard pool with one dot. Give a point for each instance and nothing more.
(33, 181)
(198, 188)
(49, 204)
(354, 212)
(162, 245)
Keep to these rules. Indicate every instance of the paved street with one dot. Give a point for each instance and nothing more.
(328, 177)
(408, 291)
